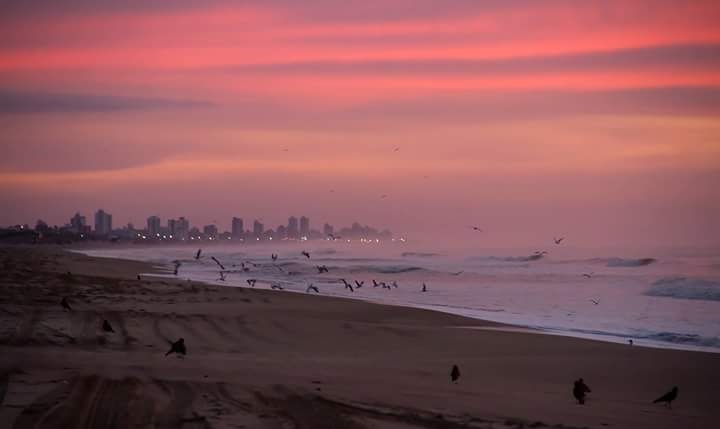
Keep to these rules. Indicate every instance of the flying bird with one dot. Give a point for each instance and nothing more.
(588, 275)
(347, 285)
(541, 252)
(107, 327)
(397, 149)
(217, 262)
(251, 282)
(594, 302)
(668, 397)
(457, 273)
(476, 228)
(394, 284)
(558, 240)
(197, 255)
(322, 269)
(358, 284)
(278, 287)
(305, 254)
(177, 347)
(454, 374)
(311, 287)
(383, 196)
(65, 304)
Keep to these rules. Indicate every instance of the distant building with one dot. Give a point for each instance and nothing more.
(304, 226)
(77, 223)
(237, 228)
(172, 227)
(210, 232)
(103, 223)
(281, 232)
(328, 229)
(292, 229)
(182, 229)
(258, 229)
(153, 226)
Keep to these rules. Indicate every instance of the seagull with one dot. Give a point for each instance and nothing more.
(177, 267)
(668, 397)
(476, 228)
(383, 196)
(65, 304)
(311, 287)
(424, 288)
(558, 240)
(222, 276)
(177, 347)
(397, 149)
(305, 254)
(274, 256)
(358, 284)
(375, 284)
(322, 269)
(394, 284)
(347, 285)
(197, 255)
(251, 282)
(594, 302)
(541, 252)
(458, 273)
(588, 275)
(454, 374)
(630, 342)
(107, 327)
(276, 287)
(217, 262)
(138, 277)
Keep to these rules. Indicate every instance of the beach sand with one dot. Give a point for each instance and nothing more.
(271, 359)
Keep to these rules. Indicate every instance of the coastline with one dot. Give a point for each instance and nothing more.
(260, 357)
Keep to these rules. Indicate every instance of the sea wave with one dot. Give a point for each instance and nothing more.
(686, 288)
(385, 269)
(418, 255)
(529, 258)
(677, 338)
(622, 262)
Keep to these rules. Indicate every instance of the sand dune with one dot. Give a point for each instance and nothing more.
(268, 359)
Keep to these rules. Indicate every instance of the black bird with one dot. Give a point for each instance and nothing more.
(630, 342)
(558, 240)
(454, 374)
(251, 282)
(476, 228)
(222, 276)
(217, 262)
(668, 397)
(457, 273)
(107, 327)
(311, 287)
(177, 347)
(177, 267)
(375, 284)
(424, 288)
(197, 255)
(65, 304)
(541, 252)
(138, 277)
(347, 285)
(588, 275)
(394, 284)
(274, 256)
(595, 301)
(278, 287)
(305, 254)
(358, 284)
(322, 269)
(579, 390)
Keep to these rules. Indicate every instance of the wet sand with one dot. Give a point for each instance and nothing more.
(270, 359)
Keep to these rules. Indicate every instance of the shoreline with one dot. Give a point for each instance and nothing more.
(265, 359)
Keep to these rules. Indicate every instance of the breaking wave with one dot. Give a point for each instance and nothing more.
(418, 255)
(686, 288)
(623, 262)
(529, 258)
(385, 269)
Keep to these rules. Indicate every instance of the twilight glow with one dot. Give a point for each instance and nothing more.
(596, 119)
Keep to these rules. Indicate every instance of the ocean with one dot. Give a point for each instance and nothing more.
(667, 297)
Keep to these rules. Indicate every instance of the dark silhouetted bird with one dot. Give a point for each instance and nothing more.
(222, 276)
(107, 327)
(217, 262)
(454, 374)
(347, 285)
(424, 288)
(588, 275)
(375, 284)
(278, 287)
(251, 282)
(311, 287)
(580, 389)
(358, 284)
(397, 149)
(177, 267)
(594, 302)
(630, 342)
(476, 228)
(668, 397)
(322, 269)
(383, 196)
(177, 347)
(457, 273)
(305, 254)
(541, 252)
(65, 304)
(197, 255)
(138, 277)
(274, 256)
(394, 284)
(558, 240)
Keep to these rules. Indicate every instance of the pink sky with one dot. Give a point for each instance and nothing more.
(598, 120)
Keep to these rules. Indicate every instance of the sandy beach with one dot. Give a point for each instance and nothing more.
(271, 359)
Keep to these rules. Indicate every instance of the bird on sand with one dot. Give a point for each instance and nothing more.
(138, 277)
(668, 397)
(222, 276)
(454, 374)
(251, 282)
(177, 267)
(594, 301)
(424, 288)
(107, 327)
(274, 256)
(394, 284)
(305, 254)
(359, 284)
(217, 262)
(278, 287)
(558, 240)
(588, 275)
(177, 347)
(630, 342)
(197, 255)
(311, 287)
(65, 304)
(322, 269)
(579, 390)
(347, 285)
